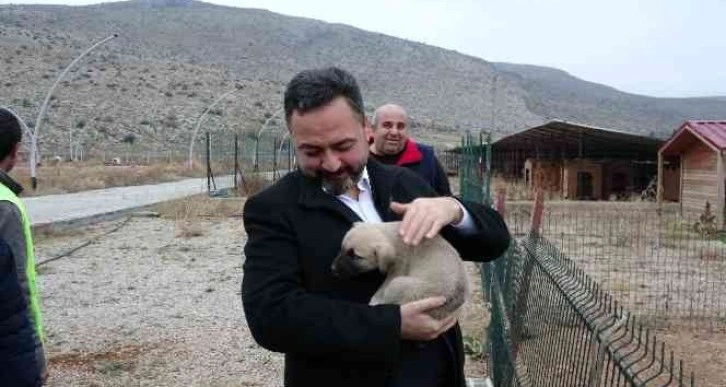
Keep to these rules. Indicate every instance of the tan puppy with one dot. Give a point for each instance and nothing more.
(433, 268)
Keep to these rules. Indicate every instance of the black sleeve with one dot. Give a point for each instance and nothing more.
(284, 317)
(441, 179)
(491, 238)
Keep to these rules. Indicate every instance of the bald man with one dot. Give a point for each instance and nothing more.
(392, 145)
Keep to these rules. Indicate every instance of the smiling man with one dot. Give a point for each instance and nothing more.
(292, 301)
(392, 145)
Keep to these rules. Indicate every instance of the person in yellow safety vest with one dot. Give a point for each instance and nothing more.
(22, 357)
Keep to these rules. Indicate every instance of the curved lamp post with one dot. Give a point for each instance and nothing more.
(190, 161)
(44, 106)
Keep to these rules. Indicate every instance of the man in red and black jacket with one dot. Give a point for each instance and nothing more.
(391, 145)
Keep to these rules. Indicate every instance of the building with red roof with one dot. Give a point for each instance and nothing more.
(698, 148)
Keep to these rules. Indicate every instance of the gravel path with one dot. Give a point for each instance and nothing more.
(144, 307)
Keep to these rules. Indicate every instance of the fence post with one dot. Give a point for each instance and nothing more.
(275, 172)
(236, 161)
(209, 165)
(536, 216)
(488, 172)
(500, 201)
(519, 331)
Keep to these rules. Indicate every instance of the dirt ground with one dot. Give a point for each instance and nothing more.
(157, 303)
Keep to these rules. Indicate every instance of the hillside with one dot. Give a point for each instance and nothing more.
(173, 58)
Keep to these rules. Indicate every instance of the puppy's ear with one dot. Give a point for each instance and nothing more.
(385, 254)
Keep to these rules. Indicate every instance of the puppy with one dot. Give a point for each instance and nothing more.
(433, 268)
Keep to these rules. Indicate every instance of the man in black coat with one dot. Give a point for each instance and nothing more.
(292, 301)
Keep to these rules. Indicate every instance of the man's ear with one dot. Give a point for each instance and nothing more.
(13, 154)
(367, 130)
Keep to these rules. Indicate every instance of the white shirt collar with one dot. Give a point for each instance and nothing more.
(364, 183)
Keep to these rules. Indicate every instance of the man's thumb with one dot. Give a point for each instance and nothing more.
(430, 303)
(398, 208)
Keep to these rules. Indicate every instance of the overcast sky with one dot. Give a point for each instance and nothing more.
(667, 48)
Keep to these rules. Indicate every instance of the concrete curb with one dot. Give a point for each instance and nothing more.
(479, 382)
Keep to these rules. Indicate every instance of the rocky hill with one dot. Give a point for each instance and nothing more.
(173, 58)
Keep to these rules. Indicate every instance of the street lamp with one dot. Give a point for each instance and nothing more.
(34, 137)
(190, 162)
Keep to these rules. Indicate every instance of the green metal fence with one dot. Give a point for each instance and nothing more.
(474, 164)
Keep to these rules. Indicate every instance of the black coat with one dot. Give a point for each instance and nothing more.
(292, 302)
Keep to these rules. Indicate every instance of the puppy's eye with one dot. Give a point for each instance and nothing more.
(350, 253)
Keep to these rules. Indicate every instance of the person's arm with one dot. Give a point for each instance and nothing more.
(427, 215)
(11, 231)
(488, 240)
(284, 317)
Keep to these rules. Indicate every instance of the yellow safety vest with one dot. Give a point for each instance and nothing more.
(8, 195)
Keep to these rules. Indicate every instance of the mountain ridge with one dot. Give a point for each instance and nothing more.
(175, 57)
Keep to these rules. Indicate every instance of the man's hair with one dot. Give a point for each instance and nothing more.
(312, 89)
(10, 132)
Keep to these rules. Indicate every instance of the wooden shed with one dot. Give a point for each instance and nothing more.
(699, 146)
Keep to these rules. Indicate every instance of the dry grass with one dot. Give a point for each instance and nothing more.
(82, 176)
(42, 234)
(191, 215)
(251, 184)
(515, 189)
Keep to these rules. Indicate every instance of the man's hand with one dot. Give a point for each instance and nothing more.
(417, 325)
(426, 217)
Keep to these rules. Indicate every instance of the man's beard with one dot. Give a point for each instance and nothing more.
(335, 185)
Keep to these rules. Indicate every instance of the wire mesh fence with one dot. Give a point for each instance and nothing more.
(253, 159)
(474, 163)
(552, 325)
(668, 268)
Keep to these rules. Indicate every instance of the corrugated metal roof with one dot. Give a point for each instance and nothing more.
(713, 133)
(569, 139)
